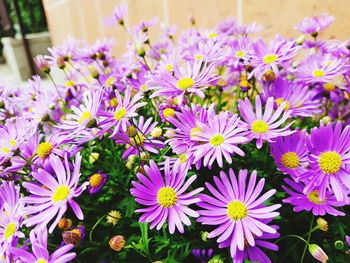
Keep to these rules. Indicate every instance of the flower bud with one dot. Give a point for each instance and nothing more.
(326, 120)
(141, 52)
(60, 62)
(270, 76)
(318, 253)
(93, 157)
(93, 72)
(64, 223)
(156, 132)
(204, 235)
(339, 244)
(131, 131)
(322, 224)
(72, 237)
(300, 40)
(113, 217)
(117, 243)
(42, 63)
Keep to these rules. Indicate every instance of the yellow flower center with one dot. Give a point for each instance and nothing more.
(138, 139)
(41, 261)
(85, 116)
(313, 197)
(217, 140)
(260, 126)
(290, 160)
(182, 158)
(44, 149)
(198, 57)
(279, 101)
(144, 87)
(168, 112)
(212, 35)
(330, 162)
(194, 131)
(12, 142)
(169, 67)
(318, 73)
(5, 149)
(119, 114)
(329, 87)
(96, 180)
(70, 83)
(113, 102)
(185, 83)
(110, 81)
(60, 193)
(10, 230)
(166, 197)
(237, 210)
(240, 54)
(270, 58)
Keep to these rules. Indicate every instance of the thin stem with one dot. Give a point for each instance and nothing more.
(308, 239)
(296, 236)
(54, 83)
(94, 226)
(77, 69)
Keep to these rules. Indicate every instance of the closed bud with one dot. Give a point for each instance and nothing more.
(93, 72)
(72, 237)
(93, 157)
(300, 40)
(156, 132)
(141, 52)
(204, 235)
(314, 34)
(131, 131)
(318, 253)
(270, 76)
(117, 243)
(144, 156)
(339, 244)
(42, 63)
(322, 224)
(45, 118)
(64, 223)
(326, 120)
(60, 62)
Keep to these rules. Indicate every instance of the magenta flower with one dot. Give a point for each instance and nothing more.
(320, 68)
(299, 99)
(191, 79)
(120, 116)
(290, 153)
(141, 140)
(240, 51)
(219, 138)
(40, 253)
(50, 198)
(278, 53)
(329, 157)
(237, 211)
(165, 198)
(314, 25)
(311, 201)
(264, 126)
(119, 15)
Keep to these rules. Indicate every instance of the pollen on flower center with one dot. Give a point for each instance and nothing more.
(41, 261)
(85, 116)
(198, 57)
(12, 142)
(330, 162)
(185, 83)
(313, 197)
(329, 87)
(217, 140)
(318, 73)
(290, 160)
(44, 149)
(182, 158)
(270, 58)
(96, 180)
(119, 114)
(237, 210)
(9, 230)
(5, 149)
(60, 193)
(138, 139)
(168, 112)
(260, 126)
(240, 54)
(279, 101)
(166, 197)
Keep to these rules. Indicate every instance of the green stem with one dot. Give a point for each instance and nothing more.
(308, 239)
(296, 236)
(54, 83)
(94, 226)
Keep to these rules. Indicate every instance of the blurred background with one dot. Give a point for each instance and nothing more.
(44, 23)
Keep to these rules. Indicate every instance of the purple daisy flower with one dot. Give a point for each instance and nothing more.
(278, 53)
(218, 138)
(119, 117)
(311, 201)
(140, 139)
(40, 253)
(264, 126)
(237, 210)
(164, 197)
(239, 52)
(255, 253)
(59, 189)
(96, 182)
(192, 78)
(299, 98)
(290, 153)
(119, 15)
(329, 157)
(320, 68)
(314, 25)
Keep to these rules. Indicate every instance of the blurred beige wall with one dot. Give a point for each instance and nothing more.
(84, 19)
